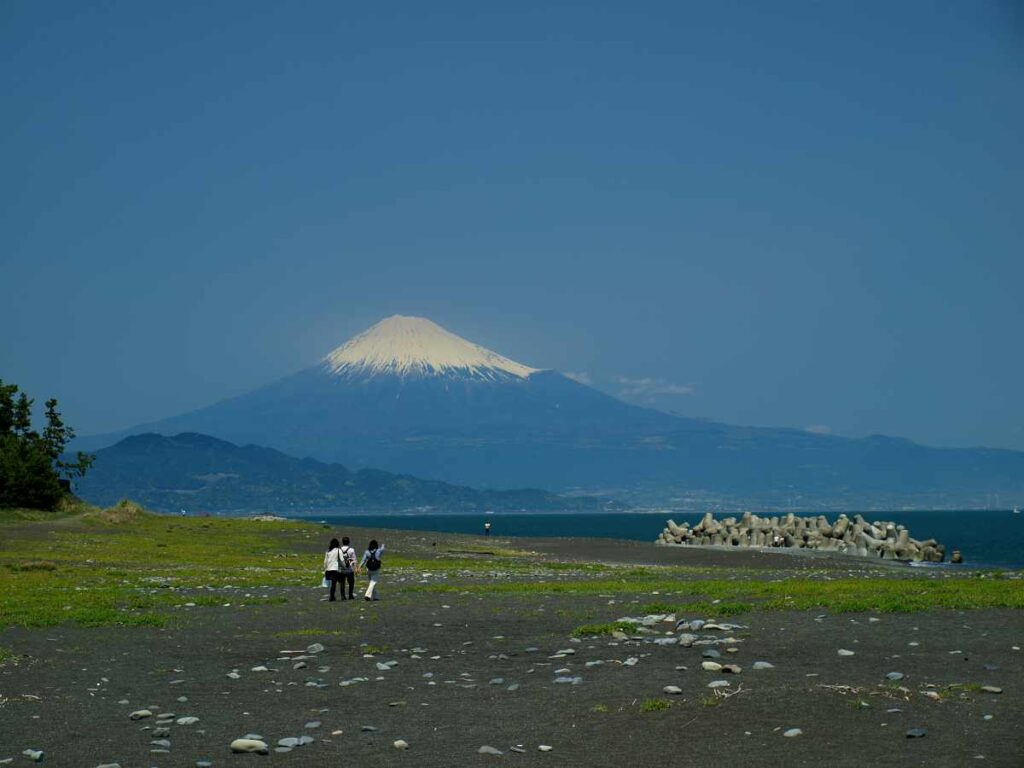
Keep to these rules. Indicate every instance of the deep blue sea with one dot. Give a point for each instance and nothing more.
(986, 538)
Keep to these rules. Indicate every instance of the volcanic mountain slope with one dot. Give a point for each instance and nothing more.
(203, 473)
(409, 396)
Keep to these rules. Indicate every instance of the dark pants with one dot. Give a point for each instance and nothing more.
(350, 578)
(340, 577)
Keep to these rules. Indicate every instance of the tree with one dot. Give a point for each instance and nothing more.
(56, 436)
(32, 466)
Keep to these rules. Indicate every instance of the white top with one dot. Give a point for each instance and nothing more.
(404, 346)
(340, 559)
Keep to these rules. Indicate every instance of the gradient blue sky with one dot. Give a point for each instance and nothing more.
(803, 214)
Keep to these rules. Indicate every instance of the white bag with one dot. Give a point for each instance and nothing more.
(326, 582)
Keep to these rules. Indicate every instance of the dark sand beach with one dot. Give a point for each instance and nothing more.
(478, 652)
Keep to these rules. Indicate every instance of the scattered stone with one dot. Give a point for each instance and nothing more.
(140, 714)
(894, 676)
(732, 669)
(290, 741)
(632, 661)
(544, 748)
(35, 755)
(710, 653)
(368, 729)
(315, 648)
(844, 652)
(250, 745)
(916, 733)
(566, 680)
(187, 720)
(487, 750)
(400, 744)
(718, 684)
(763, 665)
(675, 690)
(991, 689)
(792, 732)
(711, 666)
(312, 724)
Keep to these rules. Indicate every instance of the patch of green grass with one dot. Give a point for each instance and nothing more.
(599, 708)
(122, 556)
(655, 608)
(847, 595)
(592, 630)
(655, 705)
(958, 690)
(6, 655)
(374, 649)
(706, 609)
(311, 632)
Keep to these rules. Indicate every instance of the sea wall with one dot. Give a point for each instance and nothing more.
(855, 536)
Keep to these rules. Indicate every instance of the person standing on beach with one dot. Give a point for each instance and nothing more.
(371, 560)
(332, 567)
(348, 565)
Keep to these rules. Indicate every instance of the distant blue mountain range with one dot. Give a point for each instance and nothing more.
(200, 473)
(407, 396)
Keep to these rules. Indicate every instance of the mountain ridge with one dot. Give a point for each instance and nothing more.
(409, 403)
(202, 472)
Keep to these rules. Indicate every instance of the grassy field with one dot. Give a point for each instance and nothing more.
(123, 566)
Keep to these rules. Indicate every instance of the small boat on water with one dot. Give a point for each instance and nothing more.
(1016, 511)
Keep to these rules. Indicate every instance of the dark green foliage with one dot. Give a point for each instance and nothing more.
(31, 464)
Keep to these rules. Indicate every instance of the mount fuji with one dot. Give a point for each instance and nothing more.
(408, 396)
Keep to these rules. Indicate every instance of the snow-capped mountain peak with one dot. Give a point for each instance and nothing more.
(404, 346)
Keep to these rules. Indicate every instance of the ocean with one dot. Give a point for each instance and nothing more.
(986, 538)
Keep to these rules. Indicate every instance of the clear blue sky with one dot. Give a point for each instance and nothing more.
(806, 214)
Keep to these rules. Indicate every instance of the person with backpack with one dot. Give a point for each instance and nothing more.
(332, 567)
(347, 568)
(371, 560)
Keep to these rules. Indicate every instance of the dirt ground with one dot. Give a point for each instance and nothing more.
(476, 670)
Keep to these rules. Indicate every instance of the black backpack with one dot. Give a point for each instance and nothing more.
(372, 562)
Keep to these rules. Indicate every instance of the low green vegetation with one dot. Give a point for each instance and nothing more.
(593, 630)
(309, 632)
(123, 566)
(655, 705)
(846, 595)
